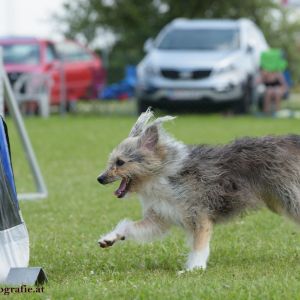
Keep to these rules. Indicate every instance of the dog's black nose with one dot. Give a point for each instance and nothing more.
(101, 179)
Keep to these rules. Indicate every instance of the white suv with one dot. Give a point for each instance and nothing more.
(201, 64)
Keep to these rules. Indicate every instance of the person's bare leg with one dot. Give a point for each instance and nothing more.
(277, 99)
(267, 101)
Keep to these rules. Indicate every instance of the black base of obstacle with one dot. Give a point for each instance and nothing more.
(28, 276)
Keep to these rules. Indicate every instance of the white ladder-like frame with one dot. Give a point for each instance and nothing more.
(7, 93)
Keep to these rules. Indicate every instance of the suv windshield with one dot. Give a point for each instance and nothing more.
(200, 39)
(23, 54)
(72, 52)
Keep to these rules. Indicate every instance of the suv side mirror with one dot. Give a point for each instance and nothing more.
(52, 64)
(149, 44)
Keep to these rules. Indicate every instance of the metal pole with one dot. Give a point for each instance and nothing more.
(1, 87)
(63, 94)
(30, 155)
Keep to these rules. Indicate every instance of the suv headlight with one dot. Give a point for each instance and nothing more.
(225, 69)
(150, 70)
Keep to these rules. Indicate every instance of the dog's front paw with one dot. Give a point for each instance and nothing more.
(109, 239)
(105, 243)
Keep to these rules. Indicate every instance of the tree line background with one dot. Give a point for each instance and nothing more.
(132, 22)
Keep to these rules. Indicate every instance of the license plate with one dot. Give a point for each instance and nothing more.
(184, 94)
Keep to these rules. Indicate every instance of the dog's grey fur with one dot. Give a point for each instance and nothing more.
(197, 186)
(228, 179)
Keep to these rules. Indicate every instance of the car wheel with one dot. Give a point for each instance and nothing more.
(243, 105)
(71, 106)
(260, 103)
(141, 105)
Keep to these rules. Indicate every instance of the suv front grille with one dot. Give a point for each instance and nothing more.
(185, 74)
(13, 78)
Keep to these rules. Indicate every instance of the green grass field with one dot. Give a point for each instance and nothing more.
(254, 257)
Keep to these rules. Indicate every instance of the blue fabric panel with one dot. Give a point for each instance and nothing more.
(6, 163)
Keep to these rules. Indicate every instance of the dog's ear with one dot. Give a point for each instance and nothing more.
(141, 122)
(149, 138)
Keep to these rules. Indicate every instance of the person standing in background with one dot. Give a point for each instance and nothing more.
(276, 87)
(272, 66)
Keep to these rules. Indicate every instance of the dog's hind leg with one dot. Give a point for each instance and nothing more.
(145, 230)
(200, 246)
(285, 201)
(291, 203)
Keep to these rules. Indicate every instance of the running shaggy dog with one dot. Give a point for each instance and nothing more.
(196, 187)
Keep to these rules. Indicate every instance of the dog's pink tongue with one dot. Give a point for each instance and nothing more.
(120, 192)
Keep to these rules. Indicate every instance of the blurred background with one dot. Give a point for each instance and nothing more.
(88, 67)
(90, 55)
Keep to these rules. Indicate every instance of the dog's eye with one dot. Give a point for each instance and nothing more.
(120, 162)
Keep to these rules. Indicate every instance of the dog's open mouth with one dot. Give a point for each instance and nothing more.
(123, 188)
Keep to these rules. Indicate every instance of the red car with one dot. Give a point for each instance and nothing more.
(75, 71)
